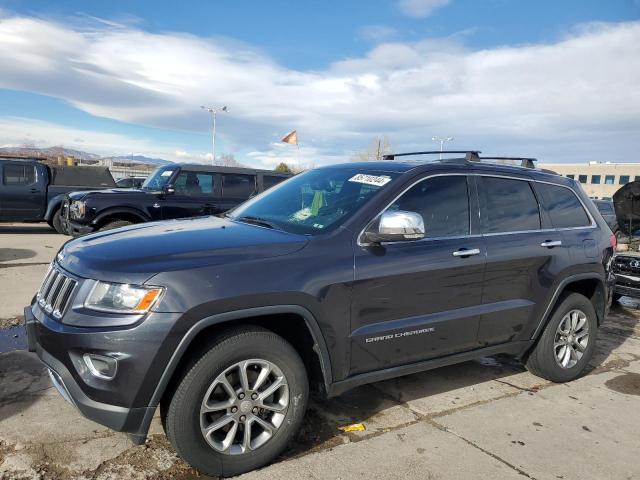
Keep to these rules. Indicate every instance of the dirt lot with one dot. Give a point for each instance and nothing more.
(483, 419)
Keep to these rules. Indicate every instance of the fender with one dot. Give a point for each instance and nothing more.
(310, 321)
(556, 294)
(115, 210)
(53, 205)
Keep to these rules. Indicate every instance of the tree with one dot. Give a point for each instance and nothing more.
(283, 168)
(380, 147)
(227, 160)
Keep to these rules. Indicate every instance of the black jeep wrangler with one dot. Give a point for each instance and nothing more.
(340, 276)
(172, 191)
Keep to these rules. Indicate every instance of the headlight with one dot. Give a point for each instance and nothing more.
(122, 298)
(77, 209)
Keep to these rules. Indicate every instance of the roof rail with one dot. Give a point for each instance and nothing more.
(524, 161)
(469, 156)
(432, 152)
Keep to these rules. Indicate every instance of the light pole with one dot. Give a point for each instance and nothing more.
(213, 111)
(441, 140)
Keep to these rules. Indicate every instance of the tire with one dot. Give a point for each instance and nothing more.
(114, 224)
(56, 223)
(542, 361)
(184, 421)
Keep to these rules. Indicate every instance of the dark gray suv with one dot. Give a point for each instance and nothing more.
(337, 277)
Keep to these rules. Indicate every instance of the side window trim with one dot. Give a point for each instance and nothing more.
(592, 224)
(476, 204)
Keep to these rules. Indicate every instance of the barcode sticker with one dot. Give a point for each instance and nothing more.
(377, 180)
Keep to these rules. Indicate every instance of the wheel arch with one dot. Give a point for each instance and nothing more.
(591, 285)
(53, 205)
(203, 330)
(130, 214)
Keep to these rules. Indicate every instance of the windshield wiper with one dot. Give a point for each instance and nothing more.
(256, 221)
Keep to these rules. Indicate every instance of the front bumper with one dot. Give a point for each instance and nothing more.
(76, 229)
(121, 404)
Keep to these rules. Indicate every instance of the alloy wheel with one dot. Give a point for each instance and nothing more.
(244, 407)
(571, 339)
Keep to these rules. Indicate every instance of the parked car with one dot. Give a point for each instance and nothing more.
(172, 191)
(605, 207)
(338, 277)
(130, 182)
(31, 191)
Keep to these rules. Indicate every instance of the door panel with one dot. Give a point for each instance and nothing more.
(418, 300)
(194, 196)
(23, 194)
(414, 301)
(520, 270)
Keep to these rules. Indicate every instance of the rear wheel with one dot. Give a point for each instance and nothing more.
(115, 224)
(239, 404)
(56, 223)
(568, 341)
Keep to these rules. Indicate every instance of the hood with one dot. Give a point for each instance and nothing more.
(136, 253)
(626, 202)
(107, 191)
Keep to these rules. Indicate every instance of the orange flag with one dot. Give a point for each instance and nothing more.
(291, 138)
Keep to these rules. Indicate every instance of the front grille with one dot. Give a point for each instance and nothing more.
(627, 265)
(55, 293)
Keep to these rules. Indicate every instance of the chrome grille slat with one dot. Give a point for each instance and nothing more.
(56, 291)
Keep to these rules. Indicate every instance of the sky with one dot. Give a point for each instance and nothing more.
(556, 80)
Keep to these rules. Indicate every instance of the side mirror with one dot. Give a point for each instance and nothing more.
(396, 227)
(168, 190)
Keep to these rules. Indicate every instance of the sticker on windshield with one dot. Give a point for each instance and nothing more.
(167, 173)
(377, 180)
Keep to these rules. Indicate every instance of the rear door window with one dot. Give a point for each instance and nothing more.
(16, 175)
(238, 185)
(507, 205)
(565, 210)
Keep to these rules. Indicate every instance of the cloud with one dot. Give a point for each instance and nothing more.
(420, 8)
(571, 99)
(377, 33)
(16, 131)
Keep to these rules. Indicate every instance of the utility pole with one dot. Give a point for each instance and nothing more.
(213, 111)
(441, 140)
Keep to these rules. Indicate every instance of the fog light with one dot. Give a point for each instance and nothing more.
(101, 366)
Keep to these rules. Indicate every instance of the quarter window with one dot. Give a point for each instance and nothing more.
(507, 205)
(19, 174)
(443, 203)
(238, 185)
(565, 210)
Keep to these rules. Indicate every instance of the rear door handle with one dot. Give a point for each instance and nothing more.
(466, 252)
(551, 243)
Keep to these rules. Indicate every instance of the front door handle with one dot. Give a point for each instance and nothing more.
(466, 252)
(551, 243)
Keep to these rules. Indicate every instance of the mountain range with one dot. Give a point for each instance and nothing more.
(54, 152)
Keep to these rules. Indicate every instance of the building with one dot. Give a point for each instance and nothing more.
(598, 179)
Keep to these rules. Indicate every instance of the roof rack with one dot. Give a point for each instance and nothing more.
(470, 156)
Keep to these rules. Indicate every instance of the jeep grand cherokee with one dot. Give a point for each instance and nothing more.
(337, 277)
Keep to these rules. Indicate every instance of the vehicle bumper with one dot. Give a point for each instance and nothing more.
(60, 348)
(628, 290)
(76, 229)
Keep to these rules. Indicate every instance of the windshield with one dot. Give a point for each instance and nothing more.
(313, 202)
(159, 178)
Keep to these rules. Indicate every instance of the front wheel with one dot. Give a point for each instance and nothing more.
(239, 405)
(568, 341)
